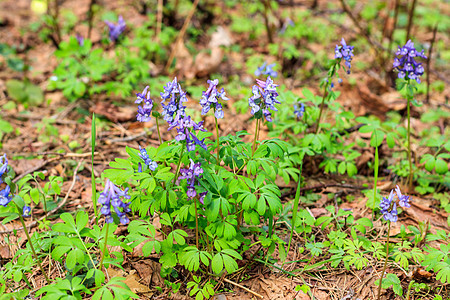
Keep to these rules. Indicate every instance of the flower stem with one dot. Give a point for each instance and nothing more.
(159, 133)
(295, 206)
(104, 247)
(409, 143)
(196, 223)
(256, 137)
(321, 107)
(179, 164)
(218, 142)
(385, 261)
(38, 261)
(375, 171)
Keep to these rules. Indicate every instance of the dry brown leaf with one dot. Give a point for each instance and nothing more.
(132, 281)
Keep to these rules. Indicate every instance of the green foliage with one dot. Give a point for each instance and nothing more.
(25, 92)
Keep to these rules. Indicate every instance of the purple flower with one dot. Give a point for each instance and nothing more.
(287, 22)
(174, 109)
(152, 165)
(192, 175)
(344, 52)
(406, 64)
(403, 200)
(388, 206)
(185, 127)
(116, 30)
(80, 39)
(111, 196)
(26, 211)
(266, 70)
(5, 196)
(299, 109)
(3, 166)
(264, 98)
(144, 112)
(210, 98)
(202, 197)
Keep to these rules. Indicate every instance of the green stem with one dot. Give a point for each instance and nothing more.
(104, 247)
(94, 190)
(218, 142)
(375, 179)
(256, 137)
(295, 207)
(86, 249)
(409, 143)
(179, 164)
(159, 133)
(385, 261)
(322, 106)
(38, 261)
(196, 223)
(409, 289)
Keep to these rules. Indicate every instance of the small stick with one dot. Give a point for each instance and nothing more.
(181, 34)
(429, 62)
(159, 16)
(90, 17)
(243, 287)
(410, 19)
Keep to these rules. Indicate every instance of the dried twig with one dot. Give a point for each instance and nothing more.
(181, 34)
(410, 19)
(243, 287)
(61, 204)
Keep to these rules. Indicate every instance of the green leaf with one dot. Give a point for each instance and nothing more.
(441, 166)
(217, 263)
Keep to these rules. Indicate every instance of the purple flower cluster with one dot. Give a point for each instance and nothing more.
(210, 98)
(115, 30)
(266, 69)
(388, 205)
(264, 98)
(144, 112)
(193, 174)
(5, 194)
(299, 109)
(406, 65)
(344, 52)
(111, 195)
(152, 165)
(174, 110)
(185, 126)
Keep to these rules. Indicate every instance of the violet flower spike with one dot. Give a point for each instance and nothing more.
(388, 206)
(144, 112)
(405, 63)
(344, 52)
(192, 175)
(111, 196)
(264, 98)
(115, 30)
(210, 99)
(173, 110)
